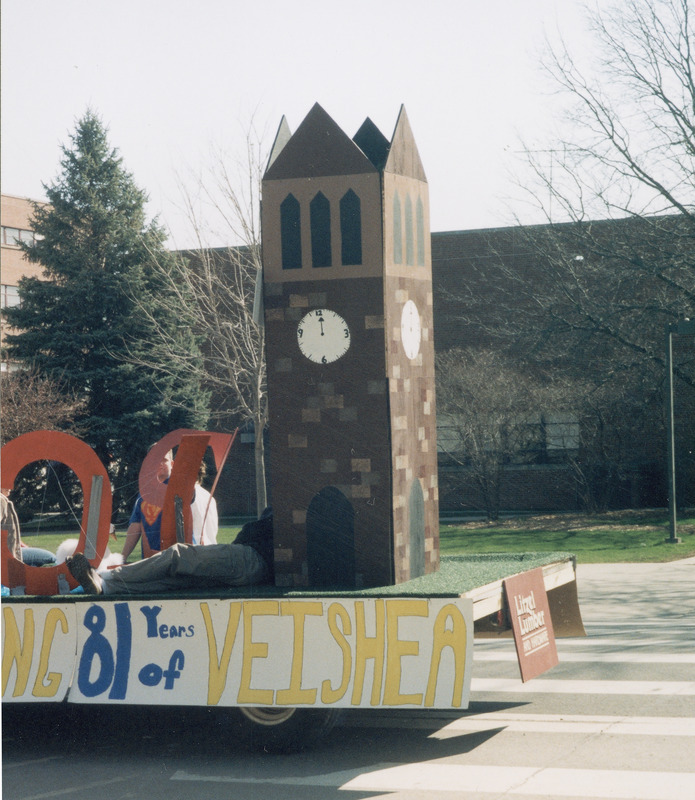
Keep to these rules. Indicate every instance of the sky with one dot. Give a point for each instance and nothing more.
(175, 81)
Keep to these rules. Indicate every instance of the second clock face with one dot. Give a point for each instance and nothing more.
(410, 329)
(323, 336)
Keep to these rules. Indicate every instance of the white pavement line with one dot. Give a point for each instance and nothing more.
(603, 658)
(549, 686)
(589, 642)
(334, 779)
(30, 763)
(641, 622)
(572, 724)
(493, 778)
(598, 640)
(79, 787)
(554, 783)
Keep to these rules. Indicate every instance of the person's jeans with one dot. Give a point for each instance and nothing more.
(37, 557)
(185, 566)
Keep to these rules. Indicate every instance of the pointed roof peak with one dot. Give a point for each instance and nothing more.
(318, 148)
(372, 143)
(283, 135)
(403, 157)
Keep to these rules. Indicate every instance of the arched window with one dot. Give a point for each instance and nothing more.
(420, 223)
(320, 216)
(397, 231)
(409, 243)
(290, 233)
(350, 228)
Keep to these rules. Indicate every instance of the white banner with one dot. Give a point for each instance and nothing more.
(331, 652)
(39, 644)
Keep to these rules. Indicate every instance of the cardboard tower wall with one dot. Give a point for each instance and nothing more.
(353, 465)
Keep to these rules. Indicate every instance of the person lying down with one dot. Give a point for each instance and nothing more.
(247, 561)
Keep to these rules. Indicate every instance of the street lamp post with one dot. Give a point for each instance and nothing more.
(685, 327)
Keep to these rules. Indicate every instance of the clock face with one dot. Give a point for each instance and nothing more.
(410, 329)
(323, 336)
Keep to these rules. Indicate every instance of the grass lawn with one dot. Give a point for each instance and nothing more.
(616, 536)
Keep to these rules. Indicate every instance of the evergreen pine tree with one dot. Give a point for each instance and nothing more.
(81, 324)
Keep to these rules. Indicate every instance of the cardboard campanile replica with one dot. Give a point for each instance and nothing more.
(350, 356)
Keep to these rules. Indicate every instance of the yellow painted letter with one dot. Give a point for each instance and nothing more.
(335, 610)
(295, 695)
(17, 649)
(217, 676)
(367, 647)
(397, 648)
(456, 640)
(255, 608)
(41, 689)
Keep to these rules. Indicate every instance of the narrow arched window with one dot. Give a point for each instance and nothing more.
(350, 228)
(397, 231)
(420, 223)
(409, 241)
(416, 506)
(320, 216)
(291, 233)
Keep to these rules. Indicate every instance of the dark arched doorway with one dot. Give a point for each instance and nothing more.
(330, 539)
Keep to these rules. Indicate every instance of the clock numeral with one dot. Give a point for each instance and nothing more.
(300, 332)
(347, 333)
(324, 360)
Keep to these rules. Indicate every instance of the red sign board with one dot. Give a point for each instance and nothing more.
(531, 623)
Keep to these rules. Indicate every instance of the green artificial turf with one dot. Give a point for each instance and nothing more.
(456, 576)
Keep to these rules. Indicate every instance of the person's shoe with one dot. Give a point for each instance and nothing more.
(83, 572)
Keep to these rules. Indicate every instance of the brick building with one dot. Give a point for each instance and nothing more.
(478, 303)
(15, 217)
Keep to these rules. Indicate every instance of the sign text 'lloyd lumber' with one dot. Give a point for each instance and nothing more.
(531, 623)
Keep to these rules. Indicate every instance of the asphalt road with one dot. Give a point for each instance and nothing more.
(615, 719)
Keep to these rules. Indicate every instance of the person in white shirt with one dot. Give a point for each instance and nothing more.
(205, 521)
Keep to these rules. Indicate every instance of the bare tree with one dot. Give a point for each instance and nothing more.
(217, 286)
(630, 111)
(586, 297)
(496, 414)
(630, 156)
(489, 417)
(31, 402)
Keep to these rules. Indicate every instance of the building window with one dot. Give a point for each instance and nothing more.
(291, 233)
(397, 230)
(420, 224)
(534, 438)
(15, 236)
(350, 228)
(547, 438)
(409, 243)
(562, 435)
(320, 216)
(9, 296)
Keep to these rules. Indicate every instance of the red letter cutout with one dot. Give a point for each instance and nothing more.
(192, 445)
(84, 462)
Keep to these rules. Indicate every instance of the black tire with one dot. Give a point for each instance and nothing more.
(283, 730)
